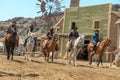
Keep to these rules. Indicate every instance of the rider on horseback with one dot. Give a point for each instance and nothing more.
(50, 33)
(49, 36)
(13, 30)
(95, 40)
(29, 31)
(73, 35)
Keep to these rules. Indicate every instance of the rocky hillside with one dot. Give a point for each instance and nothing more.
(116, 7)
(40, 23)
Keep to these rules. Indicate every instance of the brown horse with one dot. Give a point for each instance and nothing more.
(99, 50)
(10, 43)
(50, 47)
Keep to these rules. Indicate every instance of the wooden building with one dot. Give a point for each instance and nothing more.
(89, 18)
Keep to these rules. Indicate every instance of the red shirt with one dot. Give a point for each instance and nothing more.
(115, 52)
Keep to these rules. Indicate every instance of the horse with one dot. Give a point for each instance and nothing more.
(99, 50)
(77, 47)
(10, 44)
(29, 47)
(50, 47)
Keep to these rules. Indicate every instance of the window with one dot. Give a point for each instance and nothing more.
(73, 24)
(96, 24)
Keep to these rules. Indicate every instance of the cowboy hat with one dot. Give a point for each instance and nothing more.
(96, 30)
(75, 27)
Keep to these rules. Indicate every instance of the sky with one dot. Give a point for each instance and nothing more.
(27, 8)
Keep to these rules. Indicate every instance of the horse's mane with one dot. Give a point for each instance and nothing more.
(104, 40)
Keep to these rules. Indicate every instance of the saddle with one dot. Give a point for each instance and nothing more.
(96, 45)
(46, 42)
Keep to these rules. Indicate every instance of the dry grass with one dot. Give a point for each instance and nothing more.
(19, 69)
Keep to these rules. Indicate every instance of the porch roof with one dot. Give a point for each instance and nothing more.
(118, 21)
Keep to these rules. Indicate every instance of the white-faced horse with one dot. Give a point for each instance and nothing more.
(29, 47)
(77, 46)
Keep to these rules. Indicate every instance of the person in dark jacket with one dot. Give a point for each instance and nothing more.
(31, 28)
(95, 39)
(72, 36)
(12, 29)
(50, 33)
(49, 36)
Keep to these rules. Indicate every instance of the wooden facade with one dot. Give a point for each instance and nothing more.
(85, 19)
(113, 31)
(89, 18)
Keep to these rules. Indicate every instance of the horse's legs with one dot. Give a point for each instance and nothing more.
(48, 53)
(90, 58)
(25, 56)
(52, 55)
(8, 52)
(45, 54)
(99, 60)
(12, 52)
(29, 56)
(70, 57)
(67, 58)
(74, 60)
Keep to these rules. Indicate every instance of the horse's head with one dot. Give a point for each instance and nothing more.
(108, 42)
(55, 37)
(79, 41)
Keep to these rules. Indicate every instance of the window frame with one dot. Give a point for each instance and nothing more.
(94, 24)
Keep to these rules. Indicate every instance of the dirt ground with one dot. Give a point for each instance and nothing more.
(38, 69)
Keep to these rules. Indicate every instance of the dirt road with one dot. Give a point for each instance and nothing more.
(38, 69)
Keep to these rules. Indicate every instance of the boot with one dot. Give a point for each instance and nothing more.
(94, 49)
(17, 44)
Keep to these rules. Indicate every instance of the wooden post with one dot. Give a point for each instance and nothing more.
(111, 59)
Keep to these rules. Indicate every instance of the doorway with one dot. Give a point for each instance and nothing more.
(73, 24)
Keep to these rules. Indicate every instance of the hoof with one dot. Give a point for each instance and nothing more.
(52, 61)
(69, 62)
(89, 63)
(75, 65)
(97, 65)
(11, 59)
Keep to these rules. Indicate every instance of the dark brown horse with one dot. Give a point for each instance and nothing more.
(10, 43)
(50, 47)
(99, 50)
